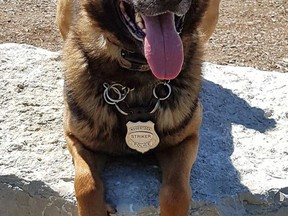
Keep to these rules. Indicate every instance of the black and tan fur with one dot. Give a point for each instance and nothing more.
(93, 35)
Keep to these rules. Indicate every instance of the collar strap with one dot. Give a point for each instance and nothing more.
(133, 61)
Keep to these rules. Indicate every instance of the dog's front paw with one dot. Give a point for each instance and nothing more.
(110, 209)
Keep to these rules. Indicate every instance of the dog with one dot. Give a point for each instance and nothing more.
(132, 76)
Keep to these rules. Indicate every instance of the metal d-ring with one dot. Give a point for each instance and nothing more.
(165, 84)
(117, 88)
(122, 92)
(157, 105)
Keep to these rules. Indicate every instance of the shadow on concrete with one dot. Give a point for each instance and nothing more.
(37, 188)
(21, 197)
(214, 175)
(132, 184)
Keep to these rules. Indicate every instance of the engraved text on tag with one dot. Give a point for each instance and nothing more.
(141, 136)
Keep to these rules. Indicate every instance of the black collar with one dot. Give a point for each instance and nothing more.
(133, 61)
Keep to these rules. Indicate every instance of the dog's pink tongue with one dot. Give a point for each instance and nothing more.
(163, 47)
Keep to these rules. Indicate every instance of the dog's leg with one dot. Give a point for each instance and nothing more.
(176, 164)
(89, 189)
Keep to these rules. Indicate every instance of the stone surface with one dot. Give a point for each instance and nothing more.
(242, 166)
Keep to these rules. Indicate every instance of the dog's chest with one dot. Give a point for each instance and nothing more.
(129, 123)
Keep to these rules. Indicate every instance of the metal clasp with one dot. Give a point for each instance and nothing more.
(159, 98)
(115, 93)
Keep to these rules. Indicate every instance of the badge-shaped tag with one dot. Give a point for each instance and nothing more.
(141, 136)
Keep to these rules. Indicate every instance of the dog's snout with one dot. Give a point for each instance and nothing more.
(156, 7)
(172, 3)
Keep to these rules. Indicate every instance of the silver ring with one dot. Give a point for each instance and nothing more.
(121, 96)
(155, 107)
(120, 110)
(168, 94)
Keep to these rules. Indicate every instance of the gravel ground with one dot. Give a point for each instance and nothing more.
(249, 33)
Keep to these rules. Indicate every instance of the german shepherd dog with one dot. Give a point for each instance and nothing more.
(132, 71)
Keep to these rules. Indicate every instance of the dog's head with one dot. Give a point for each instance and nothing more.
(154, 28)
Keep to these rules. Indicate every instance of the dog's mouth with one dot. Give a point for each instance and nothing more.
(135, 23)
(162, 44)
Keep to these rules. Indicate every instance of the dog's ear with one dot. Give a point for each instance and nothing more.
(66, 13)
(64, 16)
(209, 20)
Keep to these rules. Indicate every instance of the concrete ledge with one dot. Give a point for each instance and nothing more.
(242, 167)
